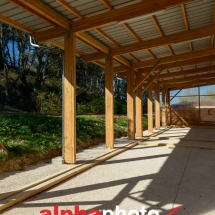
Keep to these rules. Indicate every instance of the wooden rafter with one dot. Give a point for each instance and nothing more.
(174, 58)
(70, 8)
(190, 78)
(151, 53)
(161, 32)
(184, 17)
(124, 13)
(190, 71)
(102, 33)
(90, 41)
(139, 82)
(179, 64)
(170, 39)
(153, 79)
(129, 29)
(107, 4)
(106, 18)
(186, 23)
(30, 31)
(88, 44)
(40, 10)
(191, 83)
(16, 24)
(132, 56)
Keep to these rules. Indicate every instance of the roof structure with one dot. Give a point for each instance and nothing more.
(136, 33)
(166, 44)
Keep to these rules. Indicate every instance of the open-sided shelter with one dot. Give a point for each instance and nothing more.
(156, 44)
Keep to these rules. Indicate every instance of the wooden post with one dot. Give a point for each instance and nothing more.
(163, 107)
(130, 104)
(150, 110)
(69, 116)
(168, 106)
(199, 105)
(157, 108)
(109, 102)
(139, 112)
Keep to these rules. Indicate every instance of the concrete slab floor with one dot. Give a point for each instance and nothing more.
(159, 178)
(11, 181)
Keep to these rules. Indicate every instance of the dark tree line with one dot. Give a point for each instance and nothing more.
(31, 78)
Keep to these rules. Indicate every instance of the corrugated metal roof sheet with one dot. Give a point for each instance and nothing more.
(188, 67)
(180, 48)
(80, 47)
(201, 44)
(202, 65)
(122, 3)
(127, 57)
(21, 16)
(101, 39)
(174, 70)
(119, 34)
(142, 55)
(161, 51)
(84, 49)
(145, 29)
(171, 21)
(199, 13)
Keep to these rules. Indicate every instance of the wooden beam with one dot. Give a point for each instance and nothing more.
(15, 24)
(150, 110)
(192, 86)
(177, 64)
(35, 13)
(40, 10)
(49, 34)
(184, 17)
(86, 37)
(135, 58)
(139, 110)
(175, 95)
(109, 102)
(168, 111)
(125, 13)
(103, 19)
(70, 99)
(129, 29)
(130, 104)
(141, 80)
(157, 107)
(151, 53)
(107, 37)
(107, 4)
(151, 80)
(170, 39)
(184, 80)
(157, 26)
(190, 83)
(163, 107)
(70, 8)
(174, 58)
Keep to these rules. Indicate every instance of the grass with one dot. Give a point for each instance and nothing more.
(29, 133)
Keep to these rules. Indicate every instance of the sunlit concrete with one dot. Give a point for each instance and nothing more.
(158, 178)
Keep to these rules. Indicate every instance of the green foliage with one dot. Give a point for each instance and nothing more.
(82, 109)
(48, 102)
(97, 105)
(29, 133)
(120, 108)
